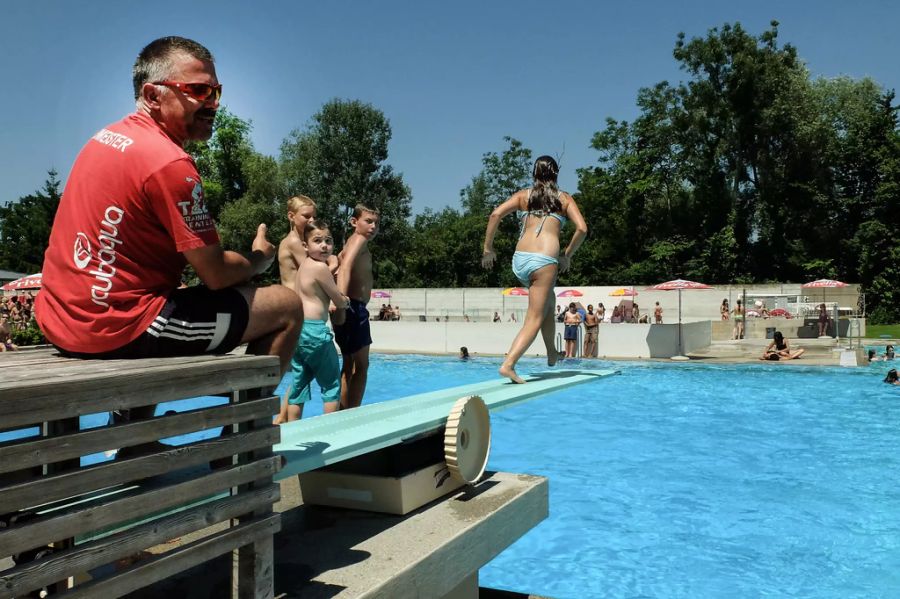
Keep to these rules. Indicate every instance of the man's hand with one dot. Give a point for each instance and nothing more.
(263, 250)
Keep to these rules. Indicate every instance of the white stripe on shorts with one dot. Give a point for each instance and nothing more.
(192, 331)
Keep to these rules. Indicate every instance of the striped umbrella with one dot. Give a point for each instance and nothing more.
(679, 284)
(29, 282)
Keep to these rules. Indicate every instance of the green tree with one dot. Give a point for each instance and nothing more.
(221, 161)
(25, 227)
(339, 160)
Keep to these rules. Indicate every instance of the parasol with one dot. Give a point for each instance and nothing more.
(29, 282)
(679, 284)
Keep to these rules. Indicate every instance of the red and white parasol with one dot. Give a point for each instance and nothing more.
(29, 282)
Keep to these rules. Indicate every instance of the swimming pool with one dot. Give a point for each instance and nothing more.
(695, 480)
(692, 480)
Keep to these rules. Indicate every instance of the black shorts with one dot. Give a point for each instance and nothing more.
(355, 333)
(194, 321)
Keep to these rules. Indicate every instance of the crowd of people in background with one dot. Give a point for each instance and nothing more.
(388, 312)
(17, 310)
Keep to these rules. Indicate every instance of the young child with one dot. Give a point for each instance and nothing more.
(291, 251)
(315, 356)
(354, 280)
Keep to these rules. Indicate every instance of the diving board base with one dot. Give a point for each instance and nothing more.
(316, 442)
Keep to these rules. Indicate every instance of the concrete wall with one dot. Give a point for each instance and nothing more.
(615, 340)
(481, 303)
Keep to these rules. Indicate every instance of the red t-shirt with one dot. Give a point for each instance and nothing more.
(132, 204)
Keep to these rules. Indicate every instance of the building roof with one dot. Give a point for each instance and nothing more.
(8, 275)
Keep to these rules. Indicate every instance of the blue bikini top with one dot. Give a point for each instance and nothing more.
(523, 215)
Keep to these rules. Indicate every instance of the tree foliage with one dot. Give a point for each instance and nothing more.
(25, 227)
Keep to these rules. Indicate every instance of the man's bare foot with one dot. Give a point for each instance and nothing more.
(510, 373)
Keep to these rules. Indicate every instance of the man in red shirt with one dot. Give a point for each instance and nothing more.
(132, 215)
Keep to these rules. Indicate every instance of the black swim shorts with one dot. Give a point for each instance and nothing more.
(355, 333)
(193, 321)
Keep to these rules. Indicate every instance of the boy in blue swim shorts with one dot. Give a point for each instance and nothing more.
(315, 356)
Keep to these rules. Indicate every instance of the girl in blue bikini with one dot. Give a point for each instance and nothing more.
(542, 211)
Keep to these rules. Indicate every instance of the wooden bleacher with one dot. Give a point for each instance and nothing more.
(101, 530)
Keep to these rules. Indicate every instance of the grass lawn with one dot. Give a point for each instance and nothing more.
(874, 331)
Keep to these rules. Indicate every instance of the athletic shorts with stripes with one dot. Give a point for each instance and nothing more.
(193, 321)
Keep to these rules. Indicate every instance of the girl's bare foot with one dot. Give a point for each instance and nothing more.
(552, 358)
(510, 373)
(279, 419)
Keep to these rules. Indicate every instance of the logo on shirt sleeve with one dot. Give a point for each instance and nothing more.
(194, 211)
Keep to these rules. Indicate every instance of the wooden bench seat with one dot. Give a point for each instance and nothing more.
(96, 516)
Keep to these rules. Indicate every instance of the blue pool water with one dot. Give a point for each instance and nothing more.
(686, 480)
(692, 480)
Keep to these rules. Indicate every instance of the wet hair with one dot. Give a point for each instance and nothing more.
(297, 202)
(892, 376)
(545, 192)
(464, 352)
(314, 224)
(360, 209)
(778, 337)
(154, 63)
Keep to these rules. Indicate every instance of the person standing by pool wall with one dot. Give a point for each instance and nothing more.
(542, 211)
(571, 324)
(738, 312)
(133, 213)
(591, 330)
(355, 281)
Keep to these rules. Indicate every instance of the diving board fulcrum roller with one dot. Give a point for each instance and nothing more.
(467, 439)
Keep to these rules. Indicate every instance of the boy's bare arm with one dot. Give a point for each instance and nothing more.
(348, 257)
(334, 263)
(288, 260)
(326, 282)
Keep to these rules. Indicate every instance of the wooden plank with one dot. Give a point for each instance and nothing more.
(36, 574)
(15, 455)
(69, 484)
(315, 442)
(84, 518)
(92, 391)
(188, 556)
(254, 564)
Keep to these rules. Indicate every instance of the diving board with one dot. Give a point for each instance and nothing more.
(315, 442)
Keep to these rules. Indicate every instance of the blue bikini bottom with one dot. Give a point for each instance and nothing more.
(525, 263)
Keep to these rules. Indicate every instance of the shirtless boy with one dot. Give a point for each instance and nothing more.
(591, 329)
(291, 250)
(315, 357)
(355, 281)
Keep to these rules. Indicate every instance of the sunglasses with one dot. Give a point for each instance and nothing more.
(198, 91)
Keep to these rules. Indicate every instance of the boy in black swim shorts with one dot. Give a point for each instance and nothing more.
(355, 281)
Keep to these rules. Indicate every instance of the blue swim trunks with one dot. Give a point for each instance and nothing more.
(355, 333)
(525, 263)
(315, 358)
(571, 332)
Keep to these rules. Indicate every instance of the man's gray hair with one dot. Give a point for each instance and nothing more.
(154, 63)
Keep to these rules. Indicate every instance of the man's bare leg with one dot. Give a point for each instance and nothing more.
(276, 317)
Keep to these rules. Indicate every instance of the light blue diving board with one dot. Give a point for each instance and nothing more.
(316, 442)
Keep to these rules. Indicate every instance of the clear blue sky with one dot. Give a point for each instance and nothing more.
(452, 77)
